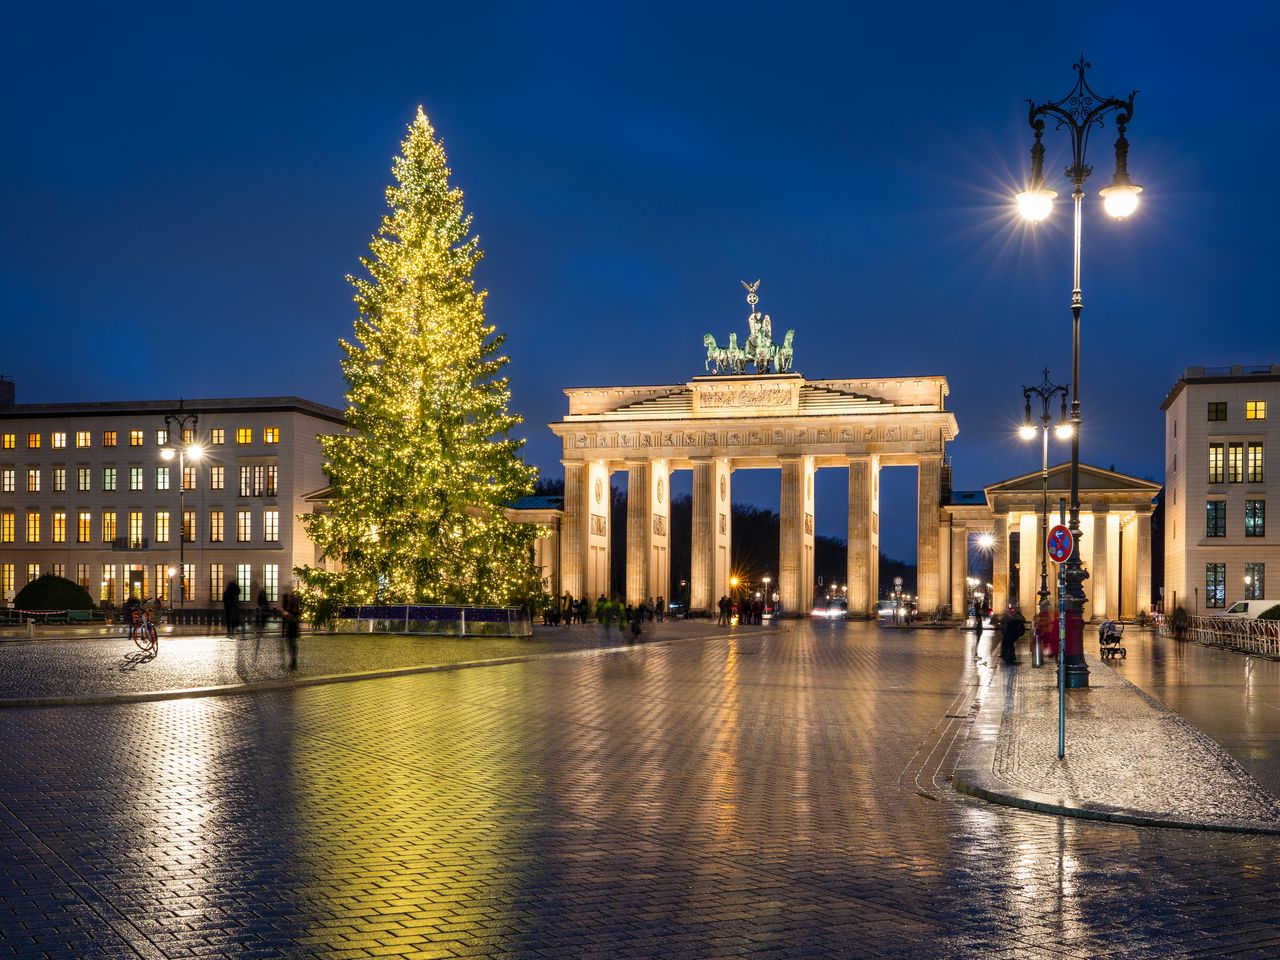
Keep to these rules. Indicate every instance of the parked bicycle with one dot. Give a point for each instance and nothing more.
(142, 626)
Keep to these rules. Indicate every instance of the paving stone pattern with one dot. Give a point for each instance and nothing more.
(772, 796)
(1123, 749)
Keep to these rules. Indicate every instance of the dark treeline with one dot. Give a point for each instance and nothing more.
(755, 546)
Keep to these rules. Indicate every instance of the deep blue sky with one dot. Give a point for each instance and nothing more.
(191, 185)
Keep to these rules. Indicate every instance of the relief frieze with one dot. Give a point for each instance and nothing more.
(599, 525)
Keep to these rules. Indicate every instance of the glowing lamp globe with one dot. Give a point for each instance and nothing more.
(1027, 431)
(1063, 431)
(1120, 200)
(1035, 205)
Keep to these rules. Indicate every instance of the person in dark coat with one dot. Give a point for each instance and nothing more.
(231, 607)
(1014, 626)
(291, 622)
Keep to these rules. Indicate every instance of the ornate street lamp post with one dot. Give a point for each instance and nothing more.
(180, 424)
(1046, 392)
(1079, 112)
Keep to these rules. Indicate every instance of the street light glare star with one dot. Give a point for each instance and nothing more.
(1027, 432)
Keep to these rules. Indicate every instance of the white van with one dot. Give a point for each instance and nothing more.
(1248, 608)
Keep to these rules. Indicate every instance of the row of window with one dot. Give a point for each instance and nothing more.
(1215, 583)
(1236, 462)
(136, 529)
(257, 480)
(137, 438)
(1255, 518)
(158, 582)
(1253, 410)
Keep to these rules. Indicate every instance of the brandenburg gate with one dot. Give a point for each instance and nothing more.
(731, 420)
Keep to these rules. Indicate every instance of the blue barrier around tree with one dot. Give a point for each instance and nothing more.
(439, 619)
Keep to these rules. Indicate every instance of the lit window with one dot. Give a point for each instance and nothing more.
(1215, 518)
(1215, 463)
(33, 441)
(271, 581)
(6, 579)
(217, 478)
(33, 526)
(33, 480)
(9, 441)
(188, 436)
(271, 526)
(273, 474)
(84, 479)
(135, 478)
(162, 582)
(1255, 410)
(107, 590)
(188, 478)
(1255, 518)
(82, 575)
(1254, 580)
(84, 526)
(215, 582)
(244, 577)
(1235, 462)
(162, 437)
(1215, 584)
(188, 526)
(59, 526)
(188, 581)
(1218, 411)
(215, 526)
(217, 437)
(59, 570)
(162, 526)
(135, 438)
(108, 438)
(244, 526)
(83, 438)
(33, 572)
(6, 526)
(108, 478)
(7, 478)
(270, 434)
(162, 478)
(1255, 462)
(244, 435)
(59, 479)
(108, 526)
(58, 440)
(246, 481)
(137, 540)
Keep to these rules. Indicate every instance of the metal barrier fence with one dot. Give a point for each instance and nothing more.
(438, 620)
(1259, 637)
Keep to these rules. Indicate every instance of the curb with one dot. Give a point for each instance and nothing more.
(288, 683)
(974, 777)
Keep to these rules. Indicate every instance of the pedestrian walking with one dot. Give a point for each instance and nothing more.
(264, 608)
(724, 612)
(231, 607)
(661, 609)
(291, 619)
(1014, 626)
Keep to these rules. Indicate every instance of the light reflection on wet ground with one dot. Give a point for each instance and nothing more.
(737, 797)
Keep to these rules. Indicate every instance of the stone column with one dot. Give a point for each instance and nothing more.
(1000, 565)
(659, 537)
(1142, 574)
(597, 497)
(711, 534)
(944, 560)
(795, 546)
(639, 531)
(959, 570)
(929, 492)
(863, 565)
(573, 533)
(1028, 567)
(1101, 596)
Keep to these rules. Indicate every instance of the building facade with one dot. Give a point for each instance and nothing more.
(1220, 436)
(86, 494)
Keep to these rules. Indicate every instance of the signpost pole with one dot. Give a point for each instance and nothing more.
(1058, 546)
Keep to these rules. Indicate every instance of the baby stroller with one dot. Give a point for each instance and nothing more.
(1110, 634)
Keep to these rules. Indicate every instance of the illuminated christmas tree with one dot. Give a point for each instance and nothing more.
(419, 484)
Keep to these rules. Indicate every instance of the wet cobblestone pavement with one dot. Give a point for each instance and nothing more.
(773, 796)
(85, 667)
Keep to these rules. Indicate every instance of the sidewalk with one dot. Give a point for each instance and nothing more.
(1128, 758)
(73, 670)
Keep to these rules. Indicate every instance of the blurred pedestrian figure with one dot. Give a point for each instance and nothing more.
(567, 608)
(1014, 626)
(231, 607)
(661, 609)
(725, 607)
(635, 623)
(264, 607)
(601, 603)
(1180, 623)
(290, 624)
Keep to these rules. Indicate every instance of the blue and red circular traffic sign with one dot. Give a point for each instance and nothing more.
(1058, 543)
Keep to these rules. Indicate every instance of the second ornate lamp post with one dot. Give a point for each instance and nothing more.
(184, 425)
(1046, 392)
(1080, 111)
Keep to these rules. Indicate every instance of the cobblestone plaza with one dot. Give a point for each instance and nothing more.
(780, 793)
